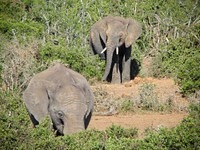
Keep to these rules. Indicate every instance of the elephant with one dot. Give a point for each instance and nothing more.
(62, 94)
(111, 38)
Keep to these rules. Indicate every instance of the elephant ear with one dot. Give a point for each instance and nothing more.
(98, 36)
(134, 30)
(36, 100)
(102, 34)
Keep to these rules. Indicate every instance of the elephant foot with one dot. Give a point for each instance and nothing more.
(125, 80)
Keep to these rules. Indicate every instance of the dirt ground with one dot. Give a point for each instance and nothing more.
(142, 122)
(164, 88)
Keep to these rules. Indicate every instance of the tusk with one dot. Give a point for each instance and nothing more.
(117, 50)
(103, 50)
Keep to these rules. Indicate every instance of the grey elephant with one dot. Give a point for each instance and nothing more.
(111, 38)
(64, 95)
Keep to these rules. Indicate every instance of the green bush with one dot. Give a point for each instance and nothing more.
(16, 132)
(148, 99)
(184, 136)
(180, 59)
(117, 132)
(78, 59)
(170, 36)
(127, 105)
(177, 52)
(14, 120)
(170, 33)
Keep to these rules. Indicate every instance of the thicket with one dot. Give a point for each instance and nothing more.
(16, 132)
(34, 33)
(59, 30)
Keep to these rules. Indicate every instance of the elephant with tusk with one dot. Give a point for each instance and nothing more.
(64, 95)
(111, 38)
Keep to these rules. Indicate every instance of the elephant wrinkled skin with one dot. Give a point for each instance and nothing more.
(111, 38)
(64, 95)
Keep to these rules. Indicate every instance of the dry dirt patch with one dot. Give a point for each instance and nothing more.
(108, 94)
(141, 121)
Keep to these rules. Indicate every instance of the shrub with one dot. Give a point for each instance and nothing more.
(77, 59)
(118, 132)
(184, 136)
(16, 133)
(148, 99)
(127, 105)
(170, 35)
(180, 60)
(170, 30)
(20, 64)
(14, 120)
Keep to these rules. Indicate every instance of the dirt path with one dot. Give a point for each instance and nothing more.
(141, 122)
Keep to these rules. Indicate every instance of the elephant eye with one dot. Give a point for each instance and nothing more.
(60, 114)
(121, 34)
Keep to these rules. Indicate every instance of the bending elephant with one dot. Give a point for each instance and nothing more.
(64, 95)
(112, 38)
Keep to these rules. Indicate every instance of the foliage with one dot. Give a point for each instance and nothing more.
(16, 132)
(20, 64)
(117, 132)
(13, 122)
(177, 44)
(148, 98)
(14, 22)
(127, 105)
(34, 33)
(77, 58)
(180, 59)
(184, 136)
(170, 31)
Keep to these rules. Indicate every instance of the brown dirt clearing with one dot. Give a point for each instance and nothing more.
(142, 122)
(164, 88)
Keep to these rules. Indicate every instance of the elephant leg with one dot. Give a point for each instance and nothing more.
(126, 70)
(126, 65)
(114, 75)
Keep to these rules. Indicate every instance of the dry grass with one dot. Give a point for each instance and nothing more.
(144, 97)
(19, 65)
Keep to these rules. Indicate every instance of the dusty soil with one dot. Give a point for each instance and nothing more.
(165, 89)
(142, 122)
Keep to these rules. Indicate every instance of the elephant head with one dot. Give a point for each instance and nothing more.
(62, 94)
(110, 33)
(68, 108)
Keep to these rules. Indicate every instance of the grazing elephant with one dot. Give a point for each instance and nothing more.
(64, 95)
(112, 38)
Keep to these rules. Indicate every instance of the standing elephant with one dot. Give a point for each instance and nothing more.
(64, 95)
(112, 38)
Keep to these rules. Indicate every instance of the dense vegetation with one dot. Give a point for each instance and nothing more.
(34, 33)
(16, 133)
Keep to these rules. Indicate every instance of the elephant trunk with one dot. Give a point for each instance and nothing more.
(109, 58)
(73, 126)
